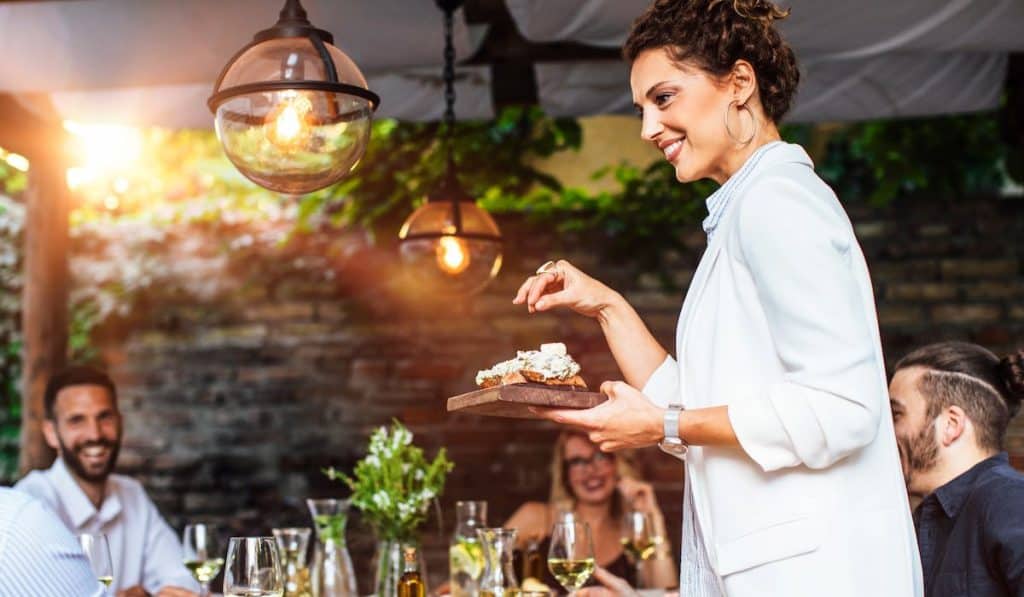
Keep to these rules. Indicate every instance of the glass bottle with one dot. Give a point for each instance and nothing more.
(465, 554)
(331, 574)
(411, 584)
(499, 578)
(534, 562)
(293, 544)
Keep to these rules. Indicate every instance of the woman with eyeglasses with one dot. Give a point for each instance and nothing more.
(597, 488)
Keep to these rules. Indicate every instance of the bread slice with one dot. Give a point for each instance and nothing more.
(574, 381)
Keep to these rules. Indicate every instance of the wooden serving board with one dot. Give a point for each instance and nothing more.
(514, 400)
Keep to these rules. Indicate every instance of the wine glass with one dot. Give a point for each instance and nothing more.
(571, 555)
(639, 539)
(97, 551)
(253, 568)
(202, 557)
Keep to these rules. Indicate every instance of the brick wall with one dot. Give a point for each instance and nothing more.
(231, 412)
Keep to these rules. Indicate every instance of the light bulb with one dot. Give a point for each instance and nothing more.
(287, 125)
(452, 255)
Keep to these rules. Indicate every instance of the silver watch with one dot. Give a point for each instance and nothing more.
(672, 443)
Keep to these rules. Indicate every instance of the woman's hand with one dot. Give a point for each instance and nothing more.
(563, 285)
(613, 586)
(639, 496)
(626, 420)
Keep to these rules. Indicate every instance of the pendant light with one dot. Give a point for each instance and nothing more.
(292, 111)
(451, 245)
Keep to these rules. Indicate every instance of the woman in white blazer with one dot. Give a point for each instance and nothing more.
(794, 486)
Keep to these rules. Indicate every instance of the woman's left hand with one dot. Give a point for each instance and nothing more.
(626, 420)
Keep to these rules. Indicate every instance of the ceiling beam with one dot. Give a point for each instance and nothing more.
(36, 135)
(512, 57)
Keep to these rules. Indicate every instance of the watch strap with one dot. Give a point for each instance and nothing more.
(671, 421)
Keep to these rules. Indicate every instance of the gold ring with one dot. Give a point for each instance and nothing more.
(547, 268)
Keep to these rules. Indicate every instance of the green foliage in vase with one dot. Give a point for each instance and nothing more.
(394, 485)
(330, 527)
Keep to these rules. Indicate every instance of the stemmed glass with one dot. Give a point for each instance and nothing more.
(253, 568)
(571, 555)
(97, 551)
(202, 557)
(639, 539)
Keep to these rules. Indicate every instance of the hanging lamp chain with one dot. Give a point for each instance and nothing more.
(449, 84)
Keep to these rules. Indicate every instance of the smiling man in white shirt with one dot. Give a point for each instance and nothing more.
(83, 424)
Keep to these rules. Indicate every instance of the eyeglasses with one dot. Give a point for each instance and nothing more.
(578, 463)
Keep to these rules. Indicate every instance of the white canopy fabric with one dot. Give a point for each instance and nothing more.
(153, 62)
(819, 27)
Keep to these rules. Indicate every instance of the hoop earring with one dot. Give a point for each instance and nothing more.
(728, 130)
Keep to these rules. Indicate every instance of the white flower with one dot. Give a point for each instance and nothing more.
(381, 499)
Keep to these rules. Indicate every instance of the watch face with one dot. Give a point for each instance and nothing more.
(673, 446)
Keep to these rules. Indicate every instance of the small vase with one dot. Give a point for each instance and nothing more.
(389, 564)
(331, 574)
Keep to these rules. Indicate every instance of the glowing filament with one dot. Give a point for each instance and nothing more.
(288, 125)
(452, 255)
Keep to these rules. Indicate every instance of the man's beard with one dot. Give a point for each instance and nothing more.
(76, 465)
(918, 453)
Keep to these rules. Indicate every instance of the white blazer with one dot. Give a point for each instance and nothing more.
(779, 324)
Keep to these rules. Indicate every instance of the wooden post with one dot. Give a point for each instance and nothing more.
(44, 321)
(44, 312)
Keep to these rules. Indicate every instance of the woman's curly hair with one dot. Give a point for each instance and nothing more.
(714, 34)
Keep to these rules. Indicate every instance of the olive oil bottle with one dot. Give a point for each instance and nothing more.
(411, 584)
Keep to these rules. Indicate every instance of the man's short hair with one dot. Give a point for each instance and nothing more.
(76, 375)
(980, 401)
(971, 377)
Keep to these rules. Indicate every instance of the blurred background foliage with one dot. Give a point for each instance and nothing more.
(179, 184)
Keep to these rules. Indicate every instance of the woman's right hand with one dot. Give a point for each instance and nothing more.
(612, 586)
(563, 285)
(639, 496)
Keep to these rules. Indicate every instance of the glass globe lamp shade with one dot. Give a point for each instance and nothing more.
(284, 124)
(446, 258)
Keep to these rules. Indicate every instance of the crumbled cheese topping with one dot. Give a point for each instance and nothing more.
(554, 348)
(548, 363)
(499, 370)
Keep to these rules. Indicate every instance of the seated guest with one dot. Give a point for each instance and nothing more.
(84, 425)
(597, 487)
(38, 556)
(951, 403)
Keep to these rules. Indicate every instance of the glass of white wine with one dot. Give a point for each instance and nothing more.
(253, 568)
(639, 539)
(202, 556)
(97, 551)
(571, 555)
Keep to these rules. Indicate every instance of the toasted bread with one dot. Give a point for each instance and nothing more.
(575, 380)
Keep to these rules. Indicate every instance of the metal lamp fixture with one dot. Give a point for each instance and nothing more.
(451, 244)
(292, 111)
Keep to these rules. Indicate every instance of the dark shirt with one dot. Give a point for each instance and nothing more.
(971, 533)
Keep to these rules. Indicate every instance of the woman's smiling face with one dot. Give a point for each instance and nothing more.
(683, 111)
(590, 472)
